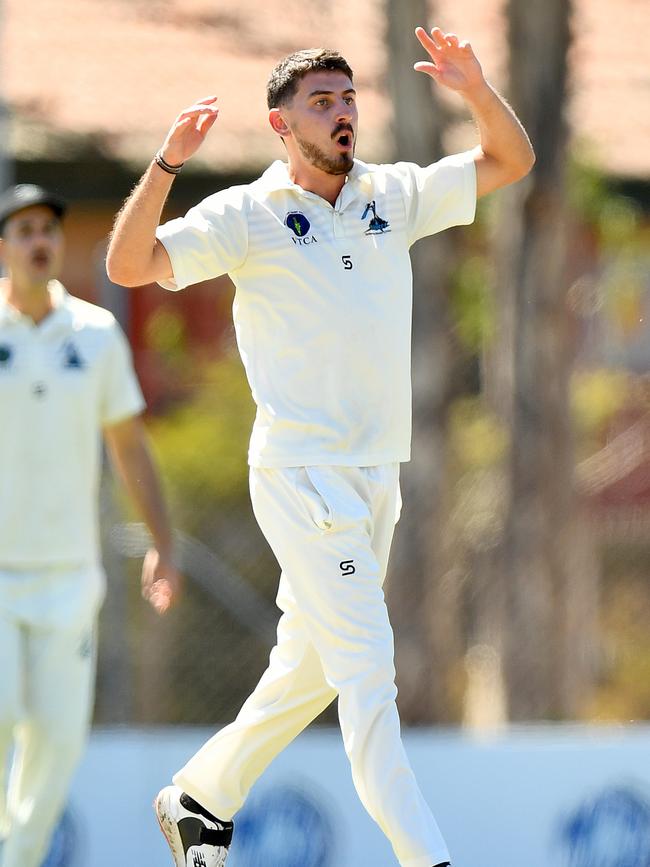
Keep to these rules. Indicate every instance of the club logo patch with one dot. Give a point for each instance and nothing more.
(300, 226)
(71, 357)
(298, 223)
(377, 225)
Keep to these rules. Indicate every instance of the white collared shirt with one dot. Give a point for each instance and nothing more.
(61, 382)
(323, 301)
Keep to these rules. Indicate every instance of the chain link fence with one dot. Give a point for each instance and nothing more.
(198, 663)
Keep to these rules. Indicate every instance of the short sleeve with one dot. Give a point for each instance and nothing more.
(438, 196)
(121, 396)
(210, 240)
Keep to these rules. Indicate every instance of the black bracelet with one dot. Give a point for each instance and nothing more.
(165, 166)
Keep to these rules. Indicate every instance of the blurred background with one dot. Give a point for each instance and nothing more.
(519, 582)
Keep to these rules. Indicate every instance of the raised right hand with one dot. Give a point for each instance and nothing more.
(189, 131)
(161, 581)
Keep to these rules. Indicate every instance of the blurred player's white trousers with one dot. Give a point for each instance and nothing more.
(47, 648)
(331, 530)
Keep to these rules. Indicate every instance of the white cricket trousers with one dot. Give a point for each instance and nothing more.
(47, 648)
(331, 530)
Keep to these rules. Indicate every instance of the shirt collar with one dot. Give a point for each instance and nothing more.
(58, 294)
(60, 305)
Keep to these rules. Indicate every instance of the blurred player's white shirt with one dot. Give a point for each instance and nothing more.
(61, 382)
(323, 301)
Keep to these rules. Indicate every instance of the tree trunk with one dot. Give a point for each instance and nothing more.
(6, 159)
(423, 605)
(527, 381)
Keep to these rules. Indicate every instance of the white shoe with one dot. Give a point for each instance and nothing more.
(195, 837)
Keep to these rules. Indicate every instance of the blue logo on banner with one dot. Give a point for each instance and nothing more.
(63, 846)
(612, 830)
(298, 223)
(283, 827)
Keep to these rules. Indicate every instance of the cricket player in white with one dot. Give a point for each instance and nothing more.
(318, 251)
(65, 378)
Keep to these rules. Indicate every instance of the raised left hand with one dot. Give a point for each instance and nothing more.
(453, 64)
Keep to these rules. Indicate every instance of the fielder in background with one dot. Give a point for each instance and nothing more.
(66, 378)
(318, 251)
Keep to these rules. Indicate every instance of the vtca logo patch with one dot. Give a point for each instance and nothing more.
(377, 225)
(300, 226)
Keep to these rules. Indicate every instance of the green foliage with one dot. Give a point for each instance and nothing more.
(618, 222)
(596, 397)
(617, 219)
(586, 189)
(471, 302)
(478, 439)
(201, 446)
(165, 333)
(623, 693)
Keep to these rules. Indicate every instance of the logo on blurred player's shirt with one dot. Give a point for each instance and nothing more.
(5, 355)
(300, 226)
(86, 645)
(611, 830)
(71, 358)
(283, 827)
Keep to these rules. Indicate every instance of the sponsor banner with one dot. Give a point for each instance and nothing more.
(567, 796)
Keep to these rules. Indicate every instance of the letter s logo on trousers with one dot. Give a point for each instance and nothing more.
(347, 567)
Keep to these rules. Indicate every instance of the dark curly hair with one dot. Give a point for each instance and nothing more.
(285, 78)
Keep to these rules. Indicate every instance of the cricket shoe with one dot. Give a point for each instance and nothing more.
(195, 837)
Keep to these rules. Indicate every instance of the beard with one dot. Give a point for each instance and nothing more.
(338, 165)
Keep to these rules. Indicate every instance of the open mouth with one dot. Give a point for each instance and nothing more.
(344, 140)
